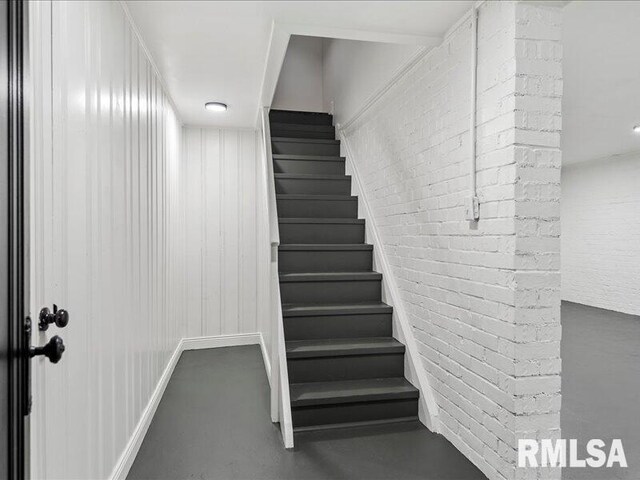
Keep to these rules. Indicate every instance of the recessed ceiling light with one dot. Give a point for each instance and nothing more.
(216, 106)
(636, 129)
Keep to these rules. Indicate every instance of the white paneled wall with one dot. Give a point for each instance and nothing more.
(220, 175)
(107, 234)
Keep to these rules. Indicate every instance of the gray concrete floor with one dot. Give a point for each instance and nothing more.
(213, 423)
(601, 385)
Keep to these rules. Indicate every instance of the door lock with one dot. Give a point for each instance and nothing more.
(53, 350)
(59, 317)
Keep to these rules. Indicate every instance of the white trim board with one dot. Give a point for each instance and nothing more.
(414, 370)
(128, 456)
(265, 358)
(217, 341)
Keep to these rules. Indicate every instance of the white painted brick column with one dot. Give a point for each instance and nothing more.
(520, 80)
(483, 297)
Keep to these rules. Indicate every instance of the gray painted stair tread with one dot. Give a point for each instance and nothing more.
(305, 140)
(303, 196)
(301, 157)
(301, 126)
(311, 176)
(342, 347)
(339, 329)
(350, 391)
(298, 112)
(357, 221)
(313, 309)
(299, 117)
(329, 276)
(323, 247)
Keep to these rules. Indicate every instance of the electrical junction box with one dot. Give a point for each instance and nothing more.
(472, 209)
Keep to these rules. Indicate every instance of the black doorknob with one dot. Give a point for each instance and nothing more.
(53, 350)
(59, 317)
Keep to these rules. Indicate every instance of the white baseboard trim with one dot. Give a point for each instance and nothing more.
(265, 358)
(121, 469)
(125, 461)
(217, 341)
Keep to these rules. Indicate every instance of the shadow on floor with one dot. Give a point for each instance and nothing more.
(213, 423)
(601, 385)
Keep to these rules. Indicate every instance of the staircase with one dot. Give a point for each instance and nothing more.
(345, 367)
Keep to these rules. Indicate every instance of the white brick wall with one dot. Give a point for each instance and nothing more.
(483, 298)
(601, 233)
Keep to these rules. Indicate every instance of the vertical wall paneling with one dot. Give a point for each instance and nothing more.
(212, 235)
(108, 239)
(193, 179)
(230, 233)
(220, 168)
(248, 232)
(147, 232)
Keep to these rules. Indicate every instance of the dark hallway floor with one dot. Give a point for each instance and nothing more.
(601, 385)
(213, 423)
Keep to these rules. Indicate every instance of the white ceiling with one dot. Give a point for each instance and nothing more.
(601, 98)
(216, 50)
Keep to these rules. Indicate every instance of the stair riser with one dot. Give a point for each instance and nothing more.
(318, 208)
(304, 148)
(330, 292)
(354, 412)
(325, 261)
(321, 232)
(309, 166)
(303, 133)
(338, 326)
(314, 186)
(305, 118)
(350, 367)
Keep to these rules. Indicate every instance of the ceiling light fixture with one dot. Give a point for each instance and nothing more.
(636, 129)
(216, 106)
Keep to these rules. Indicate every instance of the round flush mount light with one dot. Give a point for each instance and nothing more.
(636, 129)
(216, 106)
